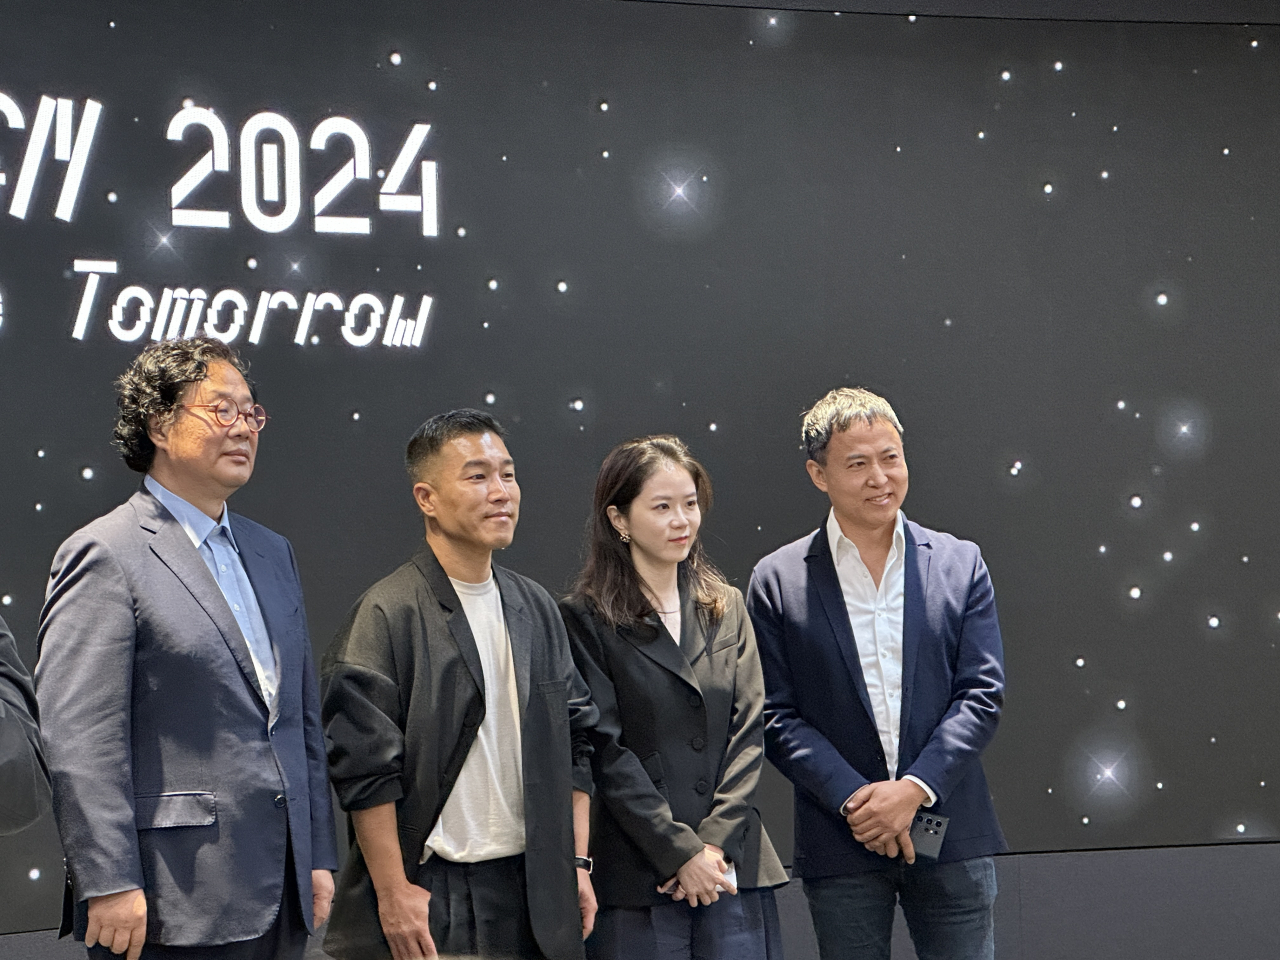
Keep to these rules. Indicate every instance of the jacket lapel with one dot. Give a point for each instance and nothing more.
(822, 571)
(693, 638)
(438, 581)
(915, 588)
(697, 641)
(171, 544)
(649, 638)
(519, 629)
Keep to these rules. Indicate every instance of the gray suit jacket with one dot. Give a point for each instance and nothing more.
(24, 779)
(678, 748)
(403, 700)
(169, 772)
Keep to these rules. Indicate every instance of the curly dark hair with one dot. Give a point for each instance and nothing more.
(151, 390)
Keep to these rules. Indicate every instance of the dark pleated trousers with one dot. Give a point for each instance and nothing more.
(479, 909)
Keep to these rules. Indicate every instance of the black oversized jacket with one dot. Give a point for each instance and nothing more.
(403, 699)
(678, 748)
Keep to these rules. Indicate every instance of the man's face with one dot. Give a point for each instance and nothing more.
(198, 453)
(469, 494)
(865, 475)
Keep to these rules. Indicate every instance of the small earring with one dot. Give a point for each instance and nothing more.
(624, 537)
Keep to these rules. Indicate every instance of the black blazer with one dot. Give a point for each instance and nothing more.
(678, 749)
(24, 779)
(403, 700)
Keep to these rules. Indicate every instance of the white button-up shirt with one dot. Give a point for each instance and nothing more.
(875, 614)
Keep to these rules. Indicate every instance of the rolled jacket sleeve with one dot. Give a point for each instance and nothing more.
(583, 717)
(362, 712)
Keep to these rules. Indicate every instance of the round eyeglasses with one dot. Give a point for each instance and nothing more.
(226, 412)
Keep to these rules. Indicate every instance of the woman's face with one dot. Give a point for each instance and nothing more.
(663, 519)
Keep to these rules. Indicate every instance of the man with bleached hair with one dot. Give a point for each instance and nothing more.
(884, 681)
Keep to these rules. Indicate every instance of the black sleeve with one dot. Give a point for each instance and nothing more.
(583, 715)
(361, 712)
(24, 778)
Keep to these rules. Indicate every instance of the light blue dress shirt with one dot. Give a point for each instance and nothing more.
(217, 547)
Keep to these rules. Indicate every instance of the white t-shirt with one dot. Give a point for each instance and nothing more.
(483, 817)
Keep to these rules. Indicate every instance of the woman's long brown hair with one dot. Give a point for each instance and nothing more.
(609, 578)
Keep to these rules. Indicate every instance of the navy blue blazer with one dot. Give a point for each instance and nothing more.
(819, 727)
(169, 771)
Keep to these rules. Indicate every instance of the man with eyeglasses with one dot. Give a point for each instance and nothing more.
(177, 692)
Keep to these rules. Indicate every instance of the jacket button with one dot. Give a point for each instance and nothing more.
(694, 700)
(701, 786)
(280, 800)
(697, 743)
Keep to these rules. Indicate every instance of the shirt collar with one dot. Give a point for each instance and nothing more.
(193, 520)
(839, 543)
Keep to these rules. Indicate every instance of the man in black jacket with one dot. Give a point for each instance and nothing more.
(24, 780)
(458, 733)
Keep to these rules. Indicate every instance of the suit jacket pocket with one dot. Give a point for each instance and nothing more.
(175, 810)
(723, 642)
(653, 767)
(557, 697)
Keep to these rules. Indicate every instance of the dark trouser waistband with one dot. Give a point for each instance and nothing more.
(481, 908)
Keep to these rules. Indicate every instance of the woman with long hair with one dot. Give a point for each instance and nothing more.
(683, 866)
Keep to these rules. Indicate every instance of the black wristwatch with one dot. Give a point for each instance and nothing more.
(583, 863)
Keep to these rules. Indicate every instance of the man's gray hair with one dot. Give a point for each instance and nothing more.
(839, 408)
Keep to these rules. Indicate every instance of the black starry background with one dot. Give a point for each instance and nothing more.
(1052, 245)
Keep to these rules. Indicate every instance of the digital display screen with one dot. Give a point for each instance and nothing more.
(1051, 245)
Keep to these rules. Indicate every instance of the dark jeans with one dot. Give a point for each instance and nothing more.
(479, 909)
(742, 927)
(948, 907)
